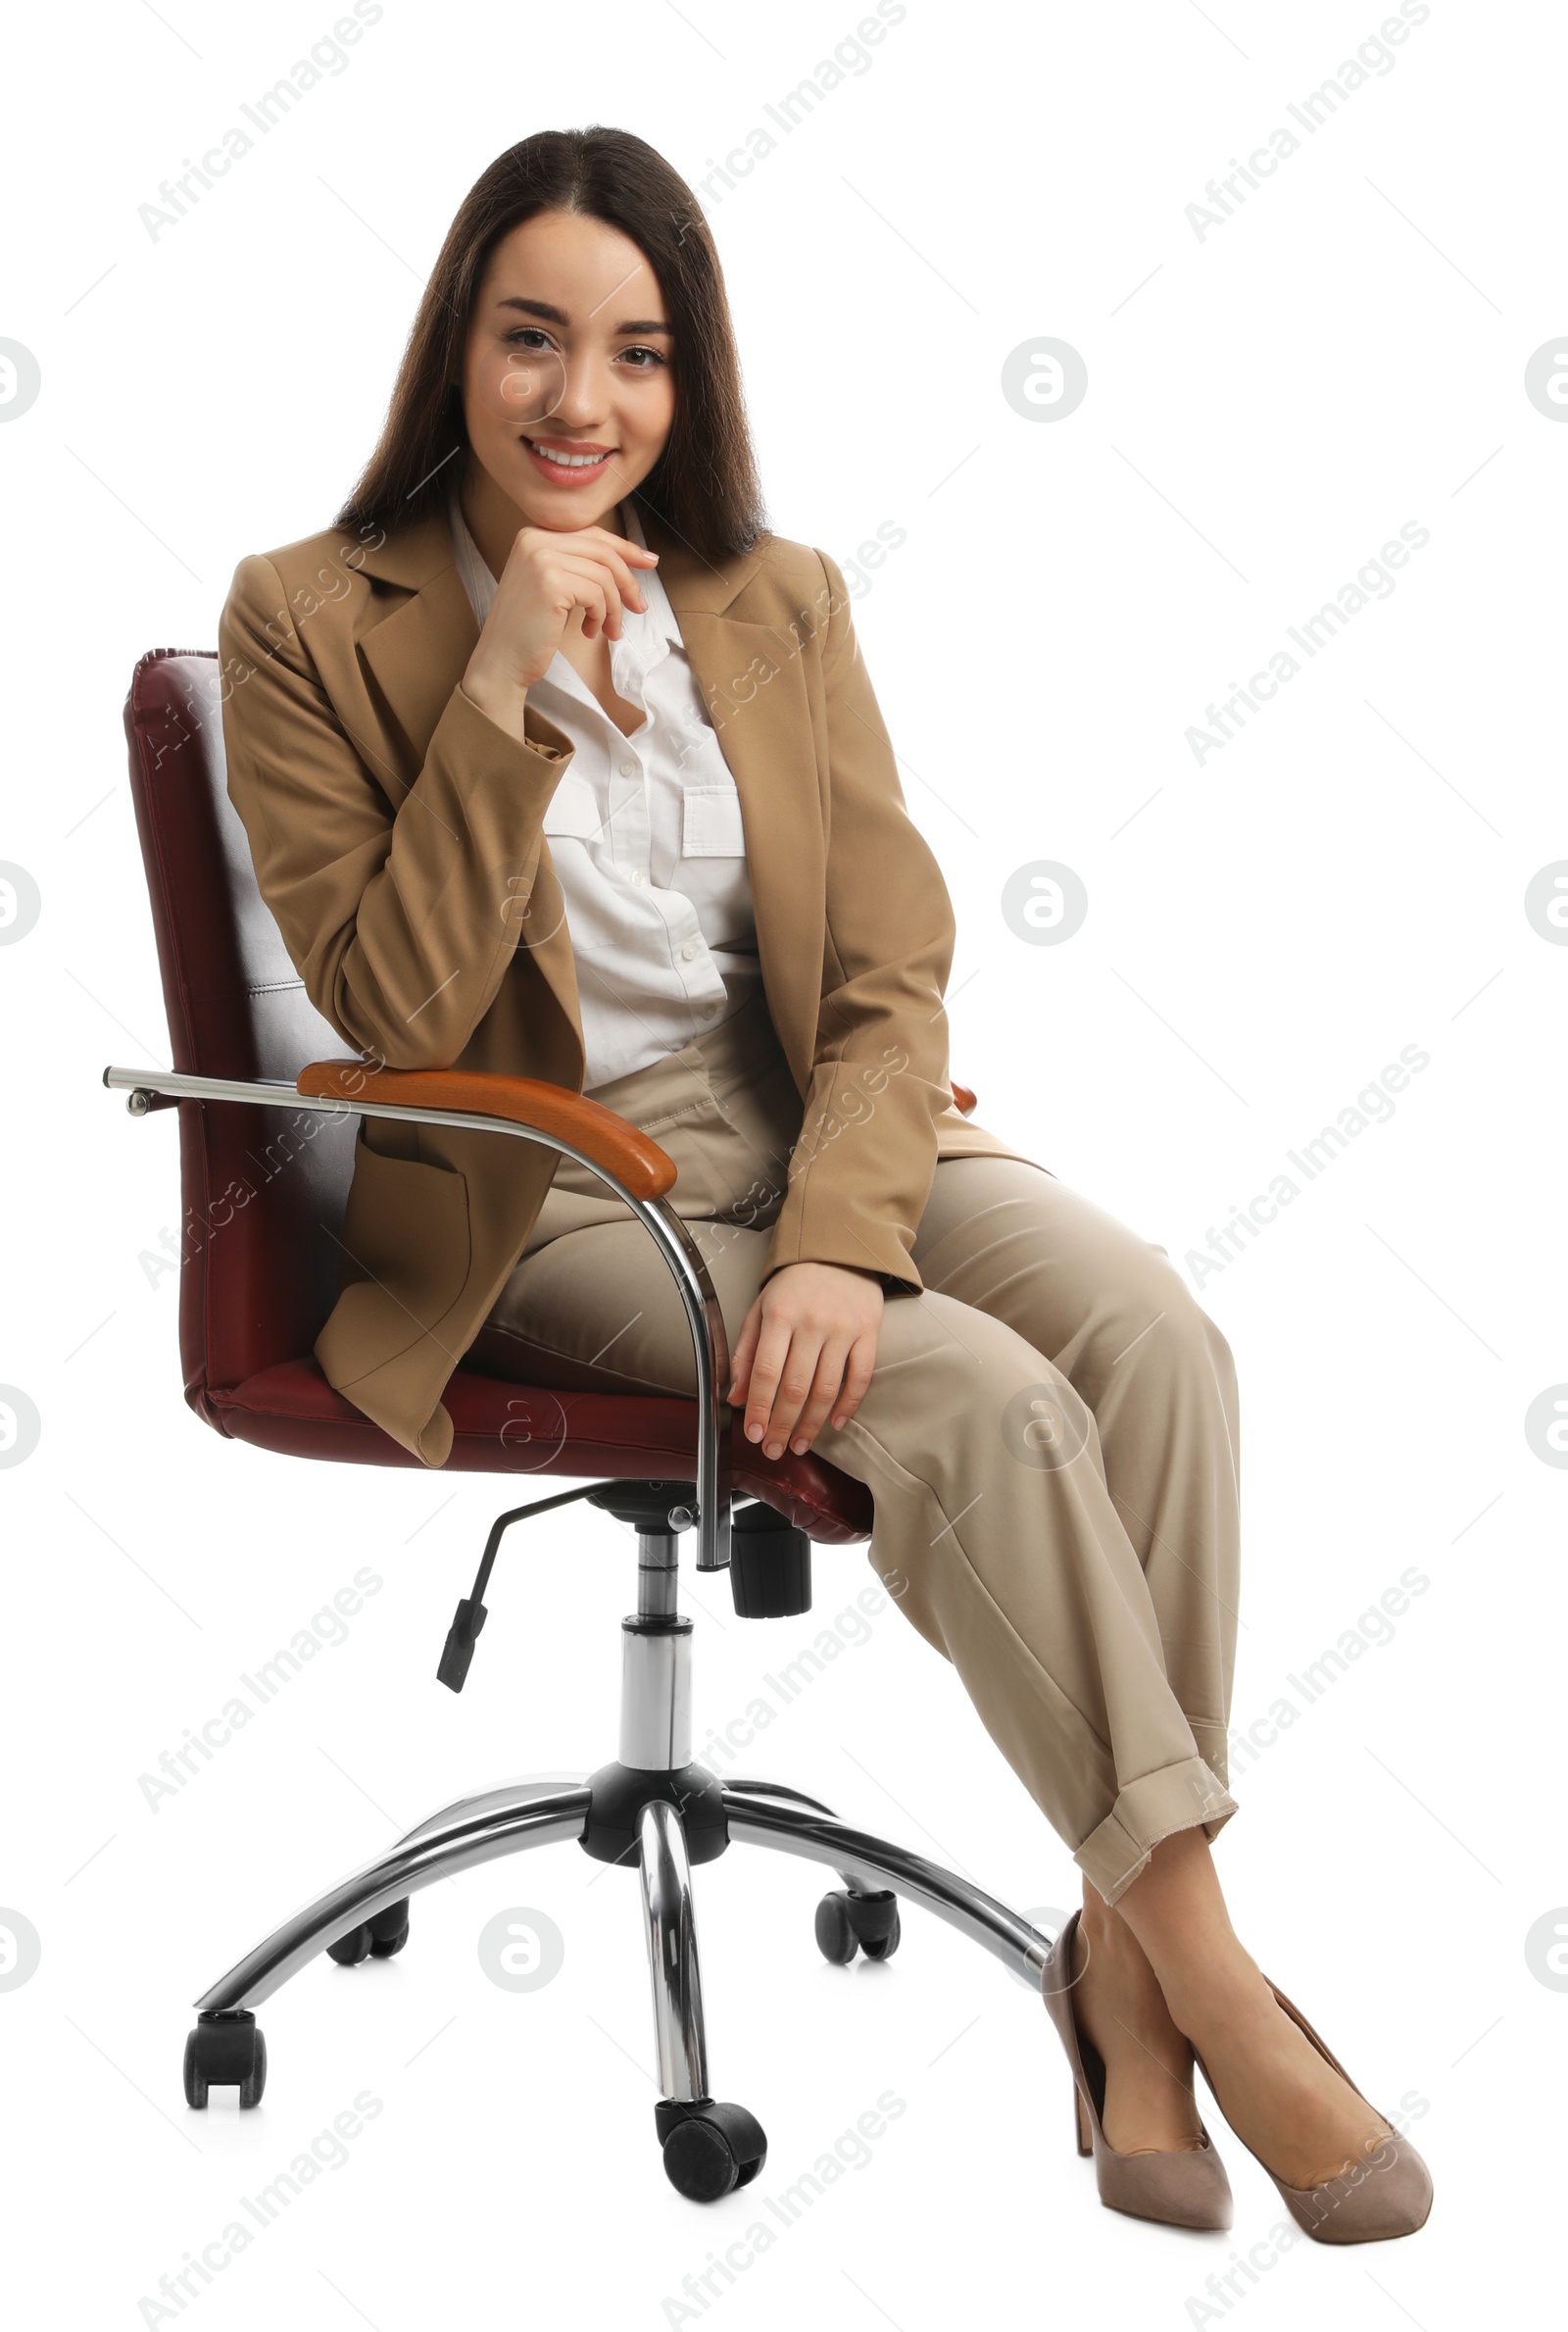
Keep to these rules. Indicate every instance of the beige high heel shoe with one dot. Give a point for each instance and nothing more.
(1389, 2193)
(1187, 2189)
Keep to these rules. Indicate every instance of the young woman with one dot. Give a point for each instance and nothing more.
(554, 760)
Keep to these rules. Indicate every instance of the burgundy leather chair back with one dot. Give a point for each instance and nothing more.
(263, 1189)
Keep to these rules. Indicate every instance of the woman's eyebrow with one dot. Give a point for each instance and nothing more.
(551, 314)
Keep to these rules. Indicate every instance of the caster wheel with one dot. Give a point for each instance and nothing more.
(846, 1922)
(836, 1939)
(711, 2150)
(883, 1947)
(225, 2051)
(389, 1930)
(377, 1939)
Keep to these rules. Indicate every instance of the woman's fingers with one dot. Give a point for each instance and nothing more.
(593, 587)
(857, 1378)
(805, 1369)
(768, 1408)
(826, 1380)
(792, 1372)
(601, 558)
(546, 580)
(617, 554)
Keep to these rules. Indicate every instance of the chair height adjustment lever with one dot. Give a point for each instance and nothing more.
(457, 1653)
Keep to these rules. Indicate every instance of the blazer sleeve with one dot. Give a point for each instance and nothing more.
(861, 1171)
(400, 906)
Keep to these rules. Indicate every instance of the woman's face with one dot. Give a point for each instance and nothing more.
(569, 352)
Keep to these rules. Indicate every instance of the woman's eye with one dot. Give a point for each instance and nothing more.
(535, 333)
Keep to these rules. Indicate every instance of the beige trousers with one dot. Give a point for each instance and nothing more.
(1049, 1435)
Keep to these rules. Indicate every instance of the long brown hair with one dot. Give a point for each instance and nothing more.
(705, 484)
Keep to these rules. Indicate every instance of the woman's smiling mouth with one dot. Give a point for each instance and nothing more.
(565, 462)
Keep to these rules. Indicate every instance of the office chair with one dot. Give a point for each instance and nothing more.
(267, 1108)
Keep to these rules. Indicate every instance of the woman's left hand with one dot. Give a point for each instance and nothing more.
(809, 1339)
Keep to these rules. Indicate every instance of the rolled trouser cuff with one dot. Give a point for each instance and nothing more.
(1180, 1797)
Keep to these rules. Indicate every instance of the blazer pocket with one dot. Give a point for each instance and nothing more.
(710, 823)
(574, 809)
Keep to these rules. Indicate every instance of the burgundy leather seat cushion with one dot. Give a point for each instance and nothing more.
(502, 1427)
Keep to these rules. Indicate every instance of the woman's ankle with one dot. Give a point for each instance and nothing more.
(1218, 1999)
(1102, 1925)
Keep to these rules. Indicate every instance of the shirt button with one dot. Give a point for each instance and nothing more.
(638, 875)
(629, 768)
(692, 947)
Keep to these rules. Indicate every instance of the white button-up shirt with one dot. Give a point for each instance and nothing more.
(644, 834)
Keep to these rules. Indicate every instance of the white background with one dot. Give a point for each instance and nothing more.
(1266, 405)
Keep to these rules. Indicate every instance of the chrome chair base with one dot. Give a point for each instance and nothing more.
(663, 1816)
(550, 1807)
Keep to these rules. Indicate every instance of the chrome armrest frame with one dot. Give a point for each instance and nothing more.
(687, 1264)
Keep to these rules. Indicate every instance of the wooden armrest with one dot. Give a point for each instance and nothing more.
(611, 1141)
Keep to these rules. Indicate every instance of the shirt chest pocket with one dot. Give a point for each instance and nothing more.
(574, 809)
(710, 823)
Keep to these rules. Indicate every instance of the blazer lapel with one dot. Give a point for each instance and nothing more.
(418, 641)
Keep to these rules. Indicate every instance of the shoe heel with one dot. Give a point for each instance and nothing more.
(1080, 2119)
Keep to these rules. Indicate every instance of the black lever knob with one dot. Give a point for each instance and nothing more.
(769, 1564)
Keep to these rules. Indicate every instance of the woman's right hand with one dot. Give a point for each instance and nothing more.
(547, 578)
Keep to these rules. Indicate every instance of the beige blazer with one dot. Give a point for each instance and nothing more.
(396, 833)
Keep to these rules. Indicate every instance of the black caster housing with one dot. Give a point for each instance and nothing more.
(377, 1939)
(846, 1923)
(710, 2149)
(223, 2051)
